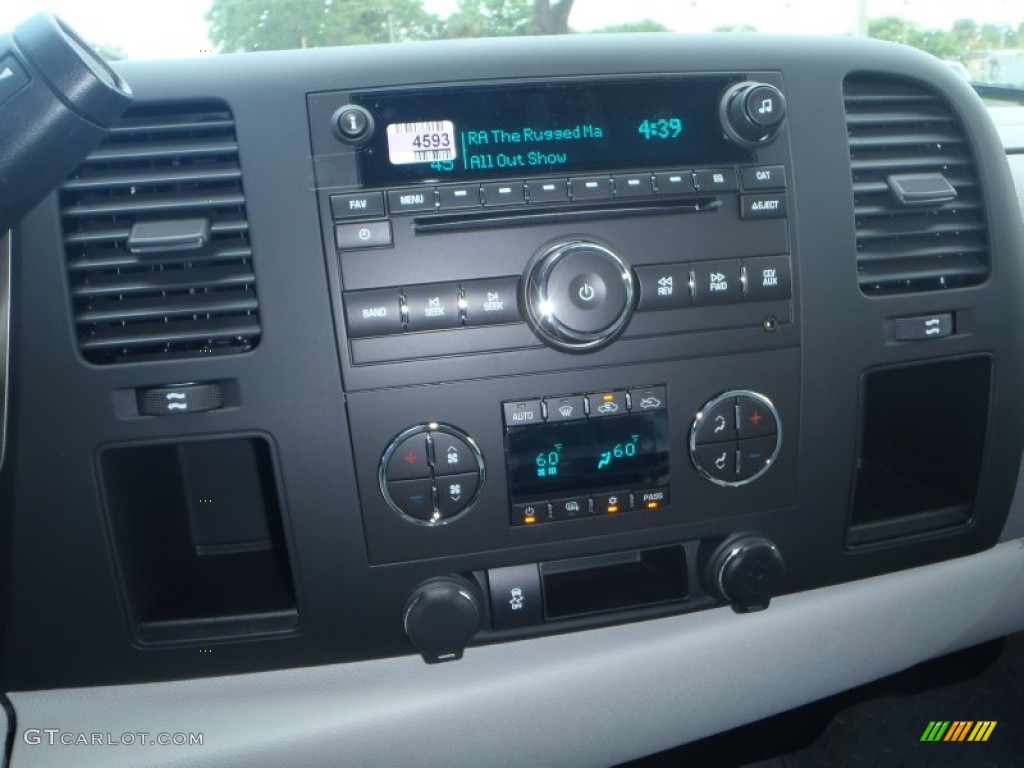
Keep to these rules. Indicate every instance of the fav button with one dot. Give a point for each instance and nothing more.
(365, 206)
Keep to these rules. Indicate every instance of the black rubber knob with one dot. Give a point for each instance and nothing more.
(441, 616)
(751, 113)
(747, 572)
(353, 124)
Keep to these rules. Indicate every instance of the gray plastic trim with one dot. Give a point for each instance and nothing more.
(589, 698)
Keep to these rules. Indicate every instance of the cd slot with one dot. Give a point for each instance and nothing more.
(462, 222)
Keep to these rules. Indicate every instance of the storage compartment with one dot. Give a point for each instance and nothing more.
(199, 538)
(922, 439)
(611, 582)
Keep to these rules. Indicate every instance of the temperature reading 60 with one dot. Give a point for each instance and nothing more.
(618, 451)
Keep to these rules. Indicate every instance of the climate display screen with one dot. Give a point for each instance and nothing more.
(586, 456)
(494, 131)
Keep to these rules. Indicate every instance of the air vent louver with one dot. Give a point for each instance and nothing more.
(899, 130)
(156, 239)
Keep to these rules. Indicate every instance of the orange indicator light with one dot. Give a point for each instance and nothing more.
(613, 509)
(530, 520)
(652, 505)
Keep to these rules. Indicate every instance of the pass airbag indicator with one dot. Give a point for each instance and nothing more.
(431, 141)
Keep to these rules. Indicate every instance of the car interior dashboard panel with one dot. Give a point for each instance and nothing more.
(412, 363)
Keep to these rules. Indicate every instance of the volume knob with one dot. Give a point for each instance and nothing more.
(752, 113)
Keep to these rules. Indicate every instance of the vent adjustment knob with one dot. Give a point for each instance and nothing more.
(752, 113)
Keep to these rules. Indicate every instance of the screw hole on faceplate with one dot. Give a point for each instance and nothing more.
(771, 324)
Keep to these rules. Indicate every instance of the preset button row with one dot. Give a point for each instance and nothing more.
(456, 197)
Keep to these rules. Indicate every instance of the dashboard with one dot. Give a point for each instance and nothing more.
(430, 393)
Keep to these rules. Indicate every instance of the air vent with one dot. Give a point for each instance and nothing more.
(157, 241)
(917, 203)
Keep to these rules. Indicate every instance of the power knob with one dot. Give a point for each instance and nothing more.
(745, 571)
(752, 113)
(441, 616)
(578, 294)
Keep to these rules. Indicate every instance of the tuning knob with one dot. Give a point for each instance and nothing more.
(578, 294)
(752, 113)
(746, 571)
(441, 616)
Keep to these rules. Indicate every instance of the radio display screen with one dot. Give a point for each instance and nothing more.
(563, 127)
(628, 452)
